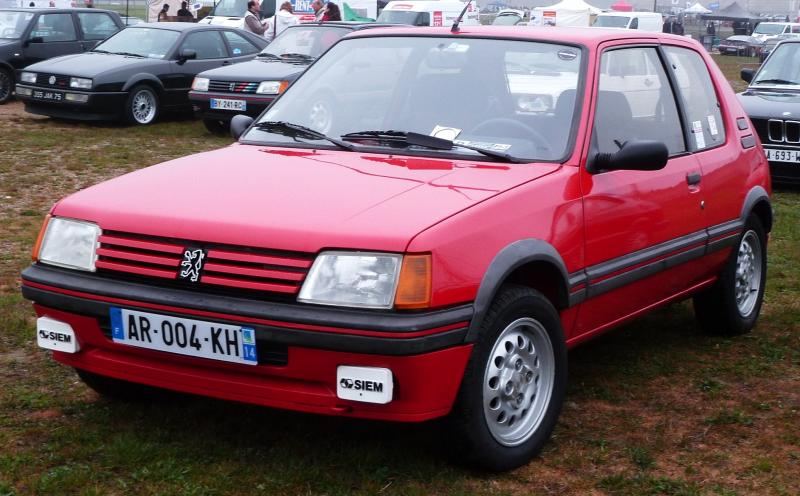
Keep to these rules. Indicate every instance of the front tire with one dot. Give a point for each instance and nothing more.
(6, 85)
(141, 108)
(217, 126)
(514, 385)
(732, 305)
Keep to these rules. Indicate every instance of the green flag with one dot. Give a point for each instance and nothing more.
(349, 15)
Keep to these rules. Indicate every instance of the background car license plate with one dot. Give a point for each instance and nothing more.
(48, 95)
(224, 104)
(776, 155)
(184, 336)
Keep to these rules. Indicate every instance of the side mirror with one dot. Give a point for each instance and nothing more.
(747, 75)
(239, 125)
(644, 155)
(186, 54)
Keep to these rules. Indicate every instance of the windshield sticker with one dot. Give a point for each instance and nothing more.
(237, 51)
(567, 54)
(499, 147)
(456, 47)
(697, 130)
(448, 133)
(712, 125)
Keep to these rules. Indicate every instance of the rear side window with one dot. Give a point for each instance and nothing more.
(635, 102)
(239, 45)
(96, 25)
(54, 27)
(207, 44)
(699, 98)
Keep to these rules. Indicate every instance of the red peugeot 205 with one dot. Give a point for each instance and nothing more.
(421, 226)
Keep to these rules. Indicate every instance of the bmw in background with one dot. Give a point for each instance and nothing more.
(33, 35)
(219, 94)
(135, 74)
(772, 101)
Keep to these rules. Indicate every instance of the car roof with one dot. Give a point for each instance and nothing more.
(178, 26)
(588, 36)
(52, 10)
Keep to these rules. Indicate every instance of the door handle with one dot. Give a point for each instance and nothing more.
(693, 178)
(226, 62)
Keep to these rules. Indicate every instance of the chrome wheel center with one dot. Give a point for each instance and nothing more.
(748, 273)
(518, 381)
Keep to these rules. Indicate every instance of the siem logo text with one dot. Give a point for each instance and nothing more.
(361, 385)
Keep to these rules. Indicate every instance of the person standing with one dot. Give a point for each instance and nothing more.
(184, 10)
(319, 10)
(163, 13)
(332, 13)
(281, 20)
(252, 19)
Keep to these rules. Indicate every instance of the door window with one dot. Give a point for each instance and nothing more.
(54, 27)
(635, 102)
(239, 45)
(207, 44)
(96, 25)
(697, 93)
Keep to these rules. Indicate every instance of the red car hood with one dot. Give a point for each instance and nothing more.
(292, 199)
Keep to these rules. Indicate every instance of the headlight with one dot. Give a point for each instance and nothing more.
(352, 279)
(28, 77)
(272, 87)
(70, 243)
(200, 84)
(80, 83)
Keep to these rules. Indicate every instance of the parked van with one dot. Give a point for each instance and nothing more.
(428, 13)
(645, 21)
(766, 30)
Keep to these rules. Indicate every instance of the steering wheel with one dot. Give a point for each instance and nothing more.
(503, 126)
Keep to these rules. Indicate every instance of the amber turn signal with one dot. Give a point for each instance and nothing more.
(38, 244)
(414, 286)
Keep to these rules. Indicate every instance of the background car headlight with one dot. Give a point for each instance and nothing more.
(272, 87)
(200, 84)
(80, 83)
(27, 77)
(352, 279)
(70, 243)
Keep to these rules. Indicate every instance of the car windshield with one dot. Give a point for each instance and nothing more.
(231, 8)
(403, 17)
(144, 42)
(611, 22)
(515, 97)
(309, 41)
(506, 20)
(13, 23)
(782, 66)
(768, 28)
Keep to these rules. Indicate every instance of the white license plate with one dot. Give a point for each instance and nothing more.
(776, 155)
(223, 104)
(191, 337)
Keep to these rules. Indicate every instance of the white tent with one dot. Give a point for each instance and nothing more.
(564, 13)
(697, 9)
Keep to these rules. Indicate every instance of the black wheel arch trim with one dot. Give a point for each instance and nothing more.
(756, 195)
(507, 260)
(346, 318)
(143, 77)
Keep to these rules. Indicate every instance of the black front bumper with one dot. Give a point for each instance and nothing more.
(100, 106)
(55, 288)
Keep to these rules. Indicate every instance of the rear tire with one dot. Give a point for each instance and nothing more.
(514, 384)
(141, 108)
(6, 85)
(116, 389)
(218, 127)
(731, 306)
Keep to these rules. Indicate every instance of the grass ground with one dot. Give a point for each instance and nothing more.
(653, 408)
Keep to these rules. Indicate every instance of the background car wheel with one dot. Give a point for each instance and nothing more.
(320, 113)
(731, 306)
(6, 85)
(514, 384)
(215, 126)
(120, 390)
(142, 105)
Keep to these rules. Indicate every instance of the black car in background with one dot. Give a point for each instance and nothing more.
(772, 101)
(219, 94)
(135, 74)
(33, 35)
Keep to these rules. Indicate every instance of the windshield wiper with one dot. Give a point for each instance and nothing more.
(775, 81)
(268, 55)
(418, 139)
(129, 54)
(99, 51)
(296, 130)
(296, 56)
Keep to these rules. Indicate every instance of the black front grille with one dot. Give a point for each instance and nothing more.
(53, 80)
(778, 131)
(232, 86)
